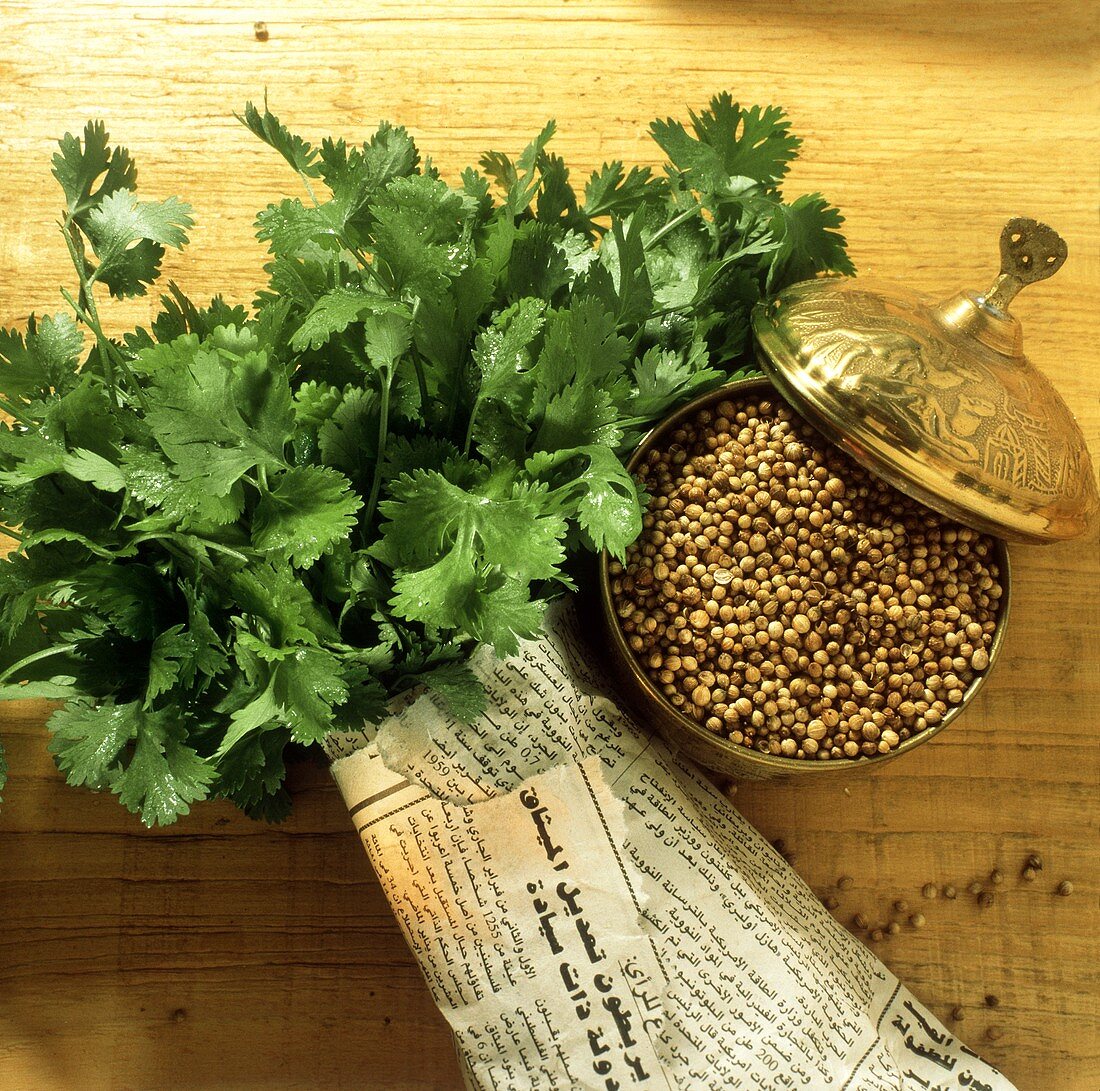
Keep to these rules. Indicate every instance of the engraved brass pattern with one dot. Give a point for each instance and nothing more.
(938, 399)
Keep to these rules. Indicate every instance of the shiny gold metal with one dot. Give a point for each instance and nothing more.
(693, 739)
(938, 398)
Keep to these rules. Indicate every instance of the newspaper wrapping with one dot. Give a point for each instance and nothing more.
(589, 911)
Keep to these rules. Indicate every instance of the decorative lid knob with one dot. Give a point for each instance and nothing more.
(1030, 251)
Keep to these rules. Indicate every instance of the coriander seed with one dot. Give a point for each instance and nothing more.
(996, 877)
(950, 893)
(1035, 862)
(917, 920)
(786, 599)
(929, 890)
(845, 882)
(1064, 888)
(859, 921)
(974, 888)
(957, 1013)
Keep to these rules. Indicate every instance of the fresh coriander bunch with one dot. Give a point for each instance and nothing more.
(243, 528)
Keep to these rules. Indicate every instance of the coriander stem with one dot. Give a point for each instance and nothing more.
(11, 533)
(11, 411)
(86, 297)
(92, 322)
(672, 224)
(34, 657)
(383, 432)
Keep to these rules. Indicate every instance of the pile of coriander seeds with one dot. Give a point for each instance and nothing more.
(792, 602)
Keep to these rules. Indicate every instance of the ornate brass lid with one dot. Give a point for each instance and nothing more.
(938, 398)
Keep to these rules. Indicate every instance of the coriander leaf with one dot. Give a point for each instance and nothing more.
(299, 154)
(290, 226)
(164, 775)
(306, 512)
(729, 143)
(460, 690)
(610, 192)
(355, 175)
(537, 265)
(808, 240)
(417, 235)
(78, 167)
(455, 546)
(664, 377)
(387, 338)
(169, 648)
(503, 350)
(86, 740)
(43, 364)
(520, 180)
(335, 311)
(348, 440)
(217, 417)
(128, 237)
(309, 684)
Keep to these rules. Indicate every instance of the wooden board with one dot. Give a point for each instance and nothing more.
(220, 953)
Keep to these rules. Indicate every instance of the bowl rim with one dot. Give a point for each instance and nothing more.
(774, 765)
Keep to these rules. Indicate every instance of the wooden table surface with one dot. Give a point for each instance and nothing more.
(224, 954)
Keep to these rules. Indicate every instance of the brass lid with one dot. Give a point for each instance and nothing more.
(938, 398)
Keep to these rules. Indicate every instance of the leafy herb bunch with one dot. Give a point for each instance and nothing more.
(240, 528)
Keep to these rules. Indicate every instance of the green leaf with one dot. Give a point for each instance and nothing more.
(503, 350)
(335, 311)
(308, 510)
(610, 192)
(129, 236)
(464, 553)
(77, 167)
(729, 142)
(299, 154)
(809, 241)
(459, 688)
(43, 364)
(86, 740)
(663, 378)
(348, 440)
(417, 233)
(217, 417)
(602, 497)
(164, 775)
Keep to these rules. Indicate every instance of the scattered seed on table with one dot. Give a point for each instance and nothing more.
(901, 905)
(957, 1013)
(1029, 875)
(878, 935)
(929, 890)
(831, 902)
(950, 892)
(996, 877)
(985, 899)
(893, 928)
(917, 920)
(1035, 862)
(859, 921)
(259, 31)
(1064, 888)
(845, 882)
(974, 888)
(994, 1033)
(992, 1001)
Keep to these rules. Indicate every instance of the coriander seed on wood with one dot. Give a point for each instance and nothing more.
(789, 601)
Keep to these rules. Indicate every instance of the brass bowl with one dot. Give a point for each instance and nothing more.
(717, 752)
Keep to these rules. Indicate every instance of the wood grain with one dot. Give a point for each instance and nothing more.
(225, 954)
